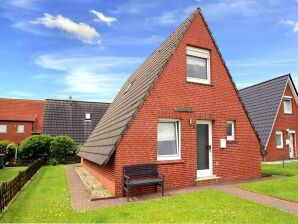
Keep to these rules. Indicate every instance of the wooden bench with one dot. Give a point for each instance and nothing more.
(142, 175)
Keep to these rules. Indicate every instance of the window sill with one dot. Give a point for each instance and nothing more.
(166, 162)
(199, 83)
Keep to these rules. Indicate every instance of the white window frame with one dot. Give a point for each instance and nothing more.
(87, 116)
(289, 98)
(231, 137)
(178, 137)
(282, 139)
(5, 125)
(18, 131)
(200, 53)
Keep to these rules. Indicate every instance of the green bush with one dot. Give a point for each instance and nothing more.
(62, 146)
(53, 161)
(3, 145)
(35, 146)
(11, 150)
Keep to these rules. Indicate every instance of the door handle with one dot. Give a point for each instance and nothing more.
(209, 147)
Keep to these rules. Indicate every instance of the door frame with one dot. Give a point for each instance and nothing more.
(208, 172)
(294, 145)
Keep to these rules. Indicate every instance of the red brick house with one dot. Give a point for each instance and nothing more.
(273, 108)
(20, 118)
(180, 109)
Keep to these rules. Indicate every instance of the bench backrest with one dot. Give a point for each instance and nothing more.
(141, 170)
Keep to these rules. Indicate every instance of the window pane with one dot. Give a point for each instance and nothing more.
(3, 128)
(197, 67)
(167, 142)
(229, 129)
(278, 139)
(288, 105)
(20, 128)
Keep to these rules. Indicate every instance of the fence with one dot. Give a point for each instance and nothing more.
(9, 189)
(71, 159)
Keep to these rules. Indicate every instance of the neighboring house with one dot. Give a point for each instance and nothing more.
(181, 109)
(76, 119)
(20, 119)
(272, 107)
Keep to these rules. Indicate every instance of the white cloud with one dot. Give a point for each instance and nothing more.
(166, 18)
(92, 76)
(81, 31)
(291, 23)
(101, 18)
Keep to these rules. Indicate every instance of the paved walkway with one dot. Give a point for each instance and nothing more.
(287, 206)
(81, 199)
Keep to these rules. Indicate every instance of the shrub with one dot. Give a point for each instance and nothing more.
(11, 150)
(3, 146)
(53, 161)
(62, 146)
(35, 146)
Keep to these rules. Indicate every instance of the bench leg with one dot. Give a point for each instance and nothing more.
(155, 188)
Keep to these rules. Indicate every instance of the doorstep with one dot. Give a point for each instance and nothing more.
(213, 177)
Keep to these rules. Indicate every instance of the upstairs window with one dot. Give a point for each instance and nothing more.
(279, 140)
(87, 116)
(21, 128)
(3, 128)
(287, 105)
(230, 131)
(168, 139)
(198, 65)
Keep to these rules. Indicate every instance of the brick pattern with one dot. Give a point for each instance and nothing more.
(218, 102)
(16, 112)
(282, 123)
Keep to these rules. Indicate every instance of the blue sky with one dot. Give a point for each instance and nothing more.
(87, 48)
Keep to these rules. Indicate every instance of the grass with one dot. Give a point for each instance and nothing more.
(47, 199)
(9, 173)
(290, 169)
(283, 188)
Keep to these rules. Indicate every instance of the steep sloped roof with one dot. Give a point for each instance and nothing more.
(22, 110)
(103, 141)
(105, 137)
(65, 117)
(262, 103)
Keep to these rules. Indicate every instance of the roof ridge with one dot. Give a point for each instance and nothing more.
(266, 81)
(6, 98)
(76, 101)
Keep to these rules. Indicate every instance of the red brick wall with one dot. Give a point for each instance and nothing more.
(283, 122)
(12, 128)
(18, 111)
(104, 174)
(218, 102)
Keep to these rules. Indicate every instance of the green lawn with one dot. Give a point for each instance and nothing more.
(8, 173)
(284, 188)
(290, 169)
(47, 199)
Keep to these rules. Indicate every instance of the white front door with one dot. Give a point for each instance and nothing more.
(292, 145)
(204, 148)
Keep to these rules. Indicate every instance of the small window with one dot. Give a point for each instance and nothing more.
(198, 65)
(168, 140)
(88, 116)
(279, 140)
(3, 128)
(230, 130)
(21, 128)
(287, 105)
